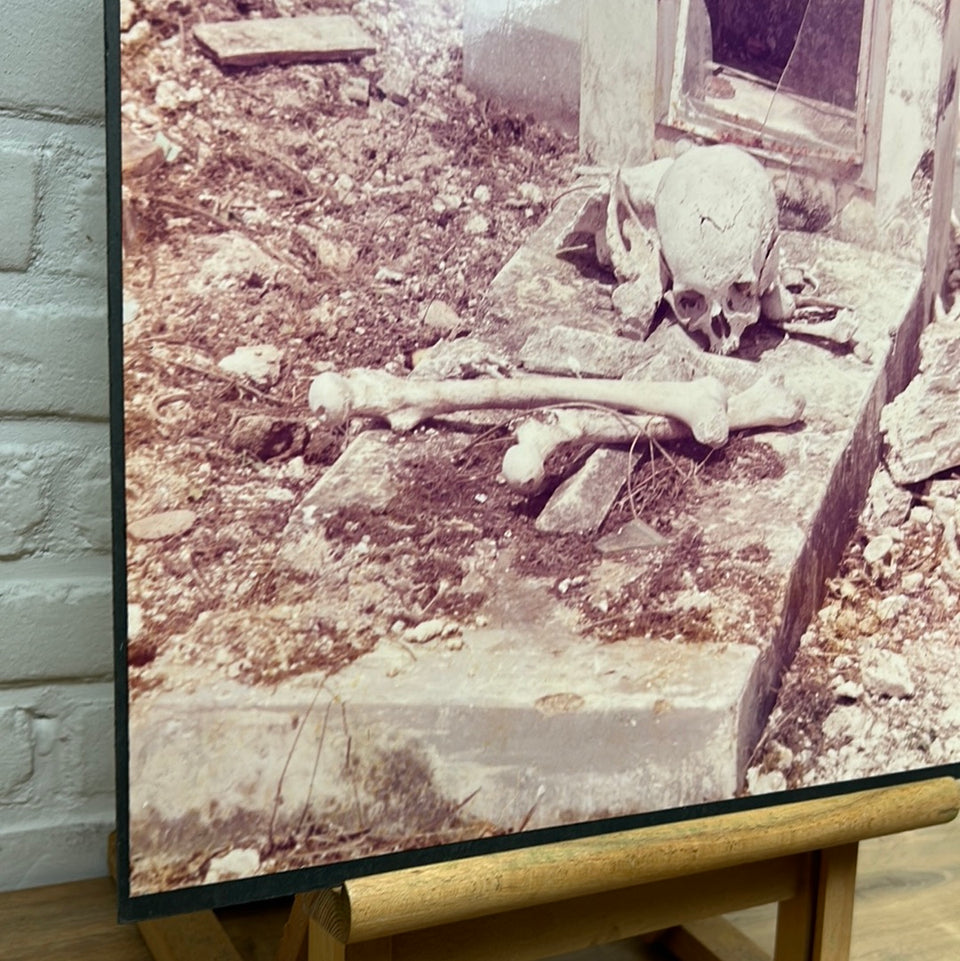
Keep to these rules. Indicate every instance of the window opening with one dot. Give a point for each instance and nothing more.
(786, 75)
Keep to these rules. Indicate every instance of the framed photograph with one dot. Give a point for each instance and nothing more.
(505, 439)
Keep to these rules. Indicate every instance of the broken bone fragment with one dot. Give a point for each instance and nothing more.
(766, 403)
(842, 330)
(701, 404)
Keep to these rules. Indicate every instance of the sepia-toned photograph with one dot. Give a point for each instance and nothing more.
(537, 414)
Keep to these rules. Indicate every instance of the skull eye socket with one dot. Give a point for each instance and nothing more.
(691, 304)
(739, 298)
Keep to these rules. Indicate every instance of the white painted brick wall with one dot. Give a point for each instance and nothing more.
(56, 691)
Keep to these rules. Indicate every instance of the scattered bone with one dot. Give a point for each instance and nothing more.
(701, 404)
(634, 251)
(841, 330)
(766, 404)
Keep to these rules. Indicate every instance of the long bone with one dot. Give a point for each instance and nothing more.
(766, 403)
(700, 404)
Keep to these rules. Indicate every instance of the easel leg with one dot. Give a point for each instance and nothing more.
(835, 896)
(711, 940)
(817, 925)
(324, 947)
(293, 942)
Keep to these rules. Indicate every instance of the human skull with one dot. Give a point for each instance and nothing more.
(716, 215)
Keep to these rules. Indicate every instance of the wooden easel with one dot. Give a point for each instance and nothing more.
(668, 883)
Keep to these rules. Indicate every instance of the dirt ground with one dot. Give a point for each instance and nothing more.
(342, 232)
(353, 214)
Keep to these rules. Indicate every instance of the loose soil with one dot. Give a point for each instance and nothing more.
(336, 231)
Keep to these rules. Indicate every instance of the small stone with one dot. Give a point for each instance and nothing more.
(397, 85)
(848, 690)
(531, 193)
(155, 527)
(887, 674)
(388, 275)
(242, 863)
(130, 309)
(912, 582)
(259, 362)
(482, 194)
(167, 96)
(355, 90)
(296, 469)
(266, 438)
(921, 516)
(878, 549)
(128, 14)
(769, 782)
(477, 225)
(425, 631)
(455, 643)
(441, 316)
(465, 95)
(136, 37)
(890, 608)
(336, 255)
(134, 620)
(887, 503)
(343, 186)
(634, 535)
(847, 624)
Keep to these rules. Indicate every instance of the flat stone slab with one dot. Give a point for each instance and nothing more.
(614, 731)
(312, 39)
(507, 678)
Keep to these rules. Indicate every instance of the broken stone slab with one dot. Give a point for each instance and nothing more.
(311, 39)
(581, 503)
(362, 475)
(140, 156)
(583, 353)
(888, 504)
(922, 426)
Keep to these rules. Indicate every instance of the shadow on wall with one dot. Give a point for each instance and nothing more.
(526, 53)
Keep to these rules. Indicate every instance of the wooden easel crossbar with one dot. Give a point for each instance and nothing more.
(668, 883)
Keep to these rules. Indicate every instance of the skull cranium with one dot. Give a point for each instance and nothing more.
(716, 215)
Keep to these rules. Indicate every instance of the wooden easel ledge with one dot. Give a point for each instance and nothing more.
(669, 883)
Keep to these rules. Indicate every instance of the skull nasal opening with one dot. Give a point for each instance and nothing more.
(719, 326)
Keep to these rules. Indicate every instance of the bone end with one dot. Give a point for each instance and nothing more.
(523, 469)
(709, 423)
(330, 396)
